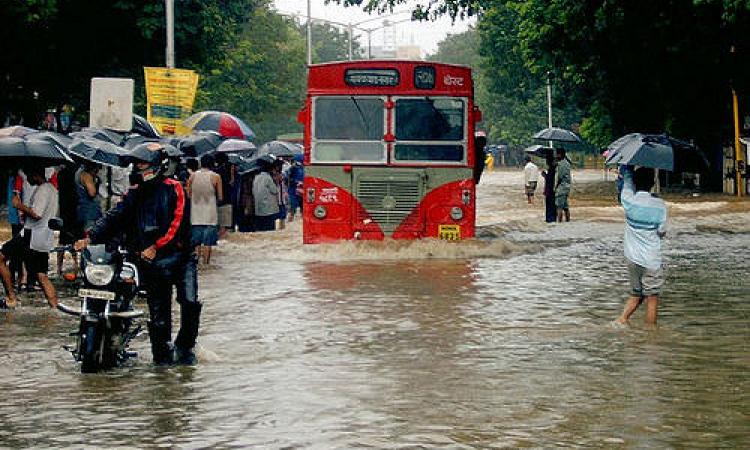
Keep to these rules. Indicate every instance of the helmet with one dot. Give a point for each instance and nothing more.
(152, 153)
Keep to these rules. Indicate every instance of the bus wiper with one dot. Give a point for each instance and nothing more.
(361, 116)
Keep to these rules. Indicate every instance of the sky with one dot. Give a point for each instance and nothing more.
(425, 34)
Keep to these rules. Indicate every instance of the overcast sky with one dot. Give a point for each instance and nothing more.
(425, 34)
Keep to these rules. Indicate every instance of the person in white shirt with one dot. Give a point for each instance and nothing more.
(35, 240)
(645, 227)
(530, 179)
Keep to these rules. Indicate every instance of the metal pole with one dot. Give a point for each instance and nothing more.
(369, 44)
(549, 99)
(549, 103)
(169, 5)
(737, 145)
(351, 49)
(309, 33)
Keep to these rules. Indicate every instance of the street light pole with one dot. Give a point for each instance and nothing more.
(549, 99)
(169, 6)
(309, 33)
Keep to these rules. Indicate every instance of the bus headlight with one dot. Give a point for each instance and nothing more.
(320, 212)
(457, 213)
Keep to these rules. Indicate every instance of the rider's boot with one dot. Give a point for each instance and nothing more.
(161, 348)
(186, 337)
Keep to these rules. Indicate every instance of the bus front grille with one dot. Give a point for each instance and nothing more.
(389, 201)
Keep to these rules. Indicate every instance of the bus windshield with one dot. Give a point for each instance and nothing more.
(348, 129)
(430, 129)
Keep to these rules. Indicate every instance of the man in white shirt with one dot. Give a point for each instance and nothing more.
(530, 178)
(645, 227)
(35, 240)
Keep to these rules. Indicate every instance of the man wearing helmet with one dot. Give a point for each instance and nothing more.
(155, 218)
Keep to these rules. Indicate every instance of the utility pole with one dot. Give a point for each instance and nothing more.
(549, 103)
(169, 6)
(549, 99)
(739, 160)
(309, 33)
(738, 157)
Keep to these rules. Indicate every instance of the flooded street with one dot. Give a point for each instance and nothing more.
(502, 342)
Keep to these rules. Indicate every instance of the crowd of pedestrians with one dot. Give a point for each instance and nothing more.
(222, 200)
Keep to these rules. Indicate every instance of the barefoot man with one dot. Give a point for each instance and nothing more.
(645, 224)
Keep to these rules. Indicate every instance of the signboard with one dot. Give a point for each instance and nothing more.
(371, 77)
(170, 94)
(111, 104)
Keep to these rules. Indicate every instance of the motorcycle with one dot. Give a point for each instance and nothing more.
(106, 314)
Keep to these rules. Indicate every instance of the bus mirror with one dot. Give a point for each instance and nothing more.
(477, 114)
(302, 116)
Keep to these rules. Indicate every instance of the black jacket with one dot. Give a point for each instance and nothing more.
(156, 215)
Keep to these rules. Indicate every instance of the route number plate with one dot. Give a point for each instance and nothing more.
(449, 232)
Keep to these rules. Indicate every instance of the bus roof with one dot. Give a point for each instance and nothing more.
(388, 76)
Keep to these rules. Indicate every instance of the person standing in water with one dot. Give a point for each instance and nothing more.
(550, 212)
(530, 177)
(204, 188)
(562, 186)
(645, 227)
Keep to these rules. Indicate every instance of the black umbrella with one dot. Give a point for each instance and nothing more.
(51, 136)
(539, 150)
(144, 127)
(657, 151)
(15, 152)
(555, 134)
(237, 146)
(16, 131)
(200, 143)
(99, 152)
(245, 166)
(280, 149)
(102, 134)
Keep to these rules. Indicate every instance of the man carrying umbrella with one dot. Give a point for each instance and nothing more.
(35, 240)
(645, 222)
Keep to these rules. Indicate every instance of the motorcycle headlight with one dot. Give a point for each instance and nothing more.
(99, 275)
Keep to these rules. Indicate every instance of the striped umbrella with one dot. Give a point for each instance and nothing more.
(223, 123)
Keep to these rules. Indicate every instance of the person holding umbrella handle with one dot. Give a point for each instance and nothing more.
(645, 227)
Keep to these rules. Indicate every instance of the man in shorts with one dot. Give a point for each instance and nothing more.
(645, 227)
(35, 240)
(530, 177)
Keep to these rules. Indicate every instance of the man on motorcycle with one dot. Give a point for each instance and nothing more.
(155, 218)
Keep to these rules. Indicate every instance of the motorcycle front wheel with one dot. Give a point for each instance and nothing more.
(92, 346)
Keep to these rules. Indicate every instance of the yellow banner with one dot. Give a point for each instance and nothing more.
(170, 94)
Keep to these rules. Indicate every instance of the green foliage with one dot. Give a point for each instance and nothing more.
(330, 43)
(57, 46)
(262, 77)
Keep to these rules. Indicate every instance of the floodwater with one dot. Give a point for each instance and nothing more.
(504, 342)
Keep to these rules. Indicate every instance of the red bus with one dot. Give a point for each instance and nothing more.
(389, 151)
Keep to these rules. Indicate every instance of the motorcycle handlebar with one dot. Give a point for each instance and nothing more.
(134, 314)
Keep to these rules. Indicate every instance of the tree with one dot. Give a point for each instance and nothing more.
(330, 43)
(262, 77)
(57, 46)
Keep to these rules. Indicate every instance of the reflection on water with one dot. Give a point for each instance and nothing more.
(475, 350)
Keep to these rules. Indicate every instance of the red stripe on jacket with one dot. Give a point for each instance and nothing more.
(179, 211)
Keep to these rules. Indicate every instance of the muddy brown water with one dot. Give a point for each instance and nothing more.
(501, 343)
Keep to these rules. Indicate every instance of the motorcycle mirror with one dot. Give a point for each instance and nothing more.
(55, 223)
